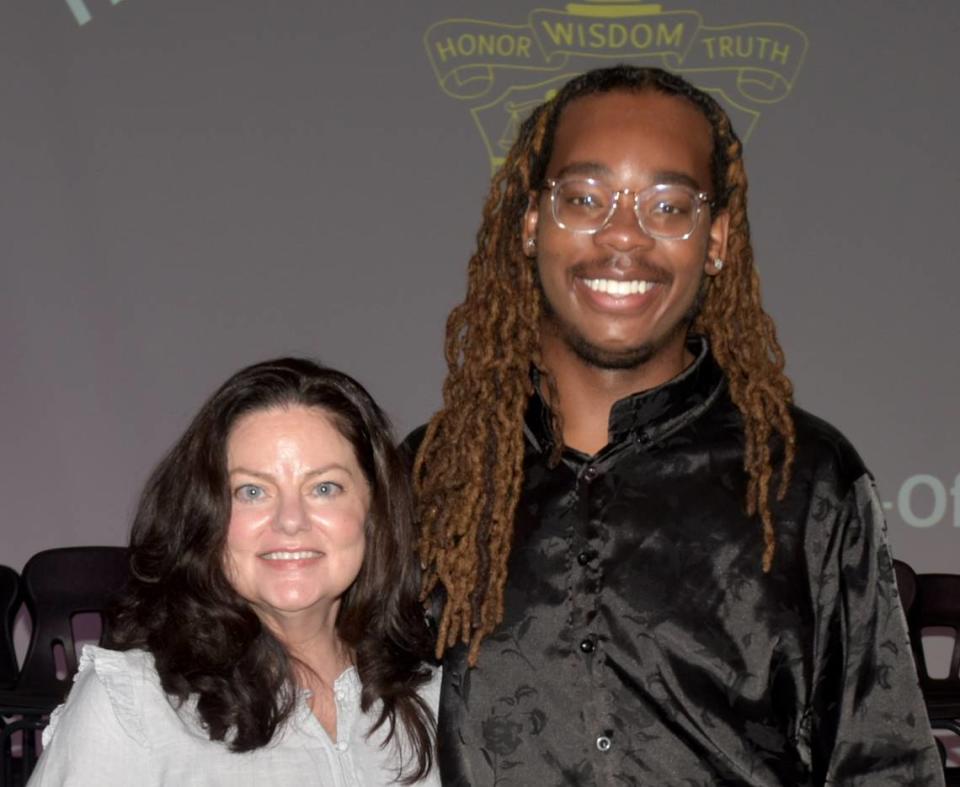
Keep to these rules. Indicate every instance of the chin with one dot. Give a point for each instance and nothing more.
(292, 602)
(606, 355)
(610, 358)
(618, 355)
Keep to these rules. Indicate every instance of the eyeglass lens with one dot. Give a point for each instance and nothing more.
(666, 211)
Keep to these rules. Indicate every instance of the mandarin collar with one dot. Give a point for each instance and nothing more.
(646, 415)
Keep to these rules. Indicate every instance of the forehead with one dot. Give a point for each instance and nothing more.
(304, 430)
(634, 136)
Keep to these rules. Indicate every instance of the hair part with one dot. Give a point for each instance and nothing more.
(469, 469)
(206, 639)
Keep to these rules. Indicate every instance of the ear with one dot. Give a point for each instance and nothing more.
(717, 245)
(531, 220)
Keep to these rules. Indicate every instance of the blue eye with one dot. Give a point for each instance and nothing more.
(327, 489)
(249, 493)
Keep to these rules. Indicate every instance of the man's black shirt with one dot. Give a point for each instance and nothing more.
(642, 644)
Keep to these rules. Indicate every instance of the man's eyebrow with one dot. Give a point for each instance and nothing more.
(587, 168)
(674, 177)
(594, 169)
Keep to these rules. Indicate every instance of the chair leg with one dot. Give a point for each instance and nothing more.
(16, 771)
(6, 752)
(29, 752)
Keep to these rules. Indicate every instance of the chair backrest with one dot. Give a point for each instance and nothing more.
(906, 584)
(9, 604)
(938, 606)
(58, 584)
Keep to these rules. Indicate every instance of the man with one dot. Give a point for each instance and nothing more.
(652, 568)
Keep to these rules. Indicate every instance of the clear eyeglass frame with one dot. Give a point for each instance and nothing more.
(700, 198)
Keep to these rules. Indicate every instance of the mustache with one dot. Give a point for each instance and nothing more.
(615, 266)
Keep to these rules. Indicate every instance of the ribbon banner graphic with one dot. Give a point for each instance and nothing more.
(503, 71)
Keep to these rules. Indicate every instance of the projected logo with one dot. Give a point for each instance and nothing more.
(502, 71)
(81, 12)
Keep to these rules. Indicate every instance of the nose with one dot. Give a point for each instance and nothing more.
(622, 230)
(291, 515)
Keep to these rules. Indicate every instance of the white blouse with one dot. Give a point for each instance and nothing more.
(119, 728)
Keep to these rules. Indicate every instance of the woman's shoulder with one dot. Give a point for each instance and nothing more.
(99, 736)
(110, 686)
(378, 752)
(348, 688)
(134, 667)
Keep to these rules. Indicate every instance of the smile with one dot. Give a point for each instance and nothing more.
(618, 289)
(302, 555)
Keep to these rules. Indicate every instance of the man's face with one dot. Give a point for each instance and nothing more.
(627, 141)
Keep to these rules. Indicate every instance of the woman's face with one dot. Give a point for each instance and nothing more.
(299, 501)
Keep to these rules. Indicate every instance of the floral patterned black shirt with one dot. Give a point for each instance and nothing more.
(642, 644)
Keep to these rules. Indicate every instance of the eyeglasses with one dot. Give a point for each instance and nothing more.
(667, 211)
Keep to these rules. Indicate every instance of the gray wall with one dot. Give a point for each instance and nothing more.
(190, 186)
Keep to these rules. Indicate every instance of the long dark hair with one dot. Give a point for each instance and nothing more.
(469, 468)
(206, 639)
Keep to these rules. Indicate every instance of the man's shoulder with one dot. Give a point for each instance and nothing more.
(821, 447)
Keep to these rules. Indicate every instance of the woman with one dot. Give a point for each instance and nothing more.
(271, 632)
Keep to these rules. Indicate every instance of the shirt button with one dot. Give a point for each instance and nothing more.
(604, 743)
(587, 645)
(590, 473)
(342, 746)
(339, 694)
(583, 558)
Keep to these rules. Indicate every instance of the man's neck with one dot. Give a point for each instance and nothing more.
(587, 393)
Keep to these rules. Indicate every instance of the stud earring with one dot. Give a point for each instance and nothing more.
(531, 245)
(718, 264)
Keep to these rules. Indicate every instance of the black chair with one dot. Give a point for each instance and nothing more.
(9, 604)
(57, 585)
(937, 605)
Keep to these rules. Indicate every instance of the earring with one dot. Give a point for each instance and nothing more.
(531, 244)
(718, 264)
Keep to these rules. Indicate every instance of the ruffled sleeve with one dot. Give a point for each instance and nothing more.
(97, 736)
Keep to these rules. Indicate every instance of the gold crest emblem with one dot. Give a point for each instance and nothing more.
(502, 71)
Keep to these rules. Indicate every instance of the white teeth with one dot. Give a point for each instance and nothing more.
(290, 555)
(618, 288)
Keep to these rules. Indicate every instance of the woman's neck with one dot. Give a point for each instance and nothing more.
(319, 657)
